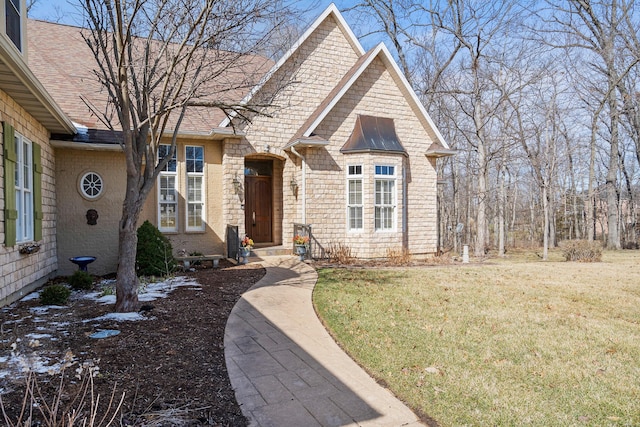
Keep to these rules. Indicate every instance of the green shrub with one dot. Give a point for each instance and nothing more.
(81, 280)
(582, 251)
(154, 255)
(55, 295)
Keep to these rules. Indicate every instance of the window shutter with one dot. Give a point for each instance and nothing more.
(37, 192)
(10, 212)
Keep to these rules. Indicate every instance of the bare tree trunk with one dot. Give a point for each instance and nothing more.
(545, 228)
(127, 283)
(501, 209)
(613, 235)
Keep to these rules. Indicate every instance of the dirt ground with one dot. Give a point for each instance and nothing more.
(170, 365)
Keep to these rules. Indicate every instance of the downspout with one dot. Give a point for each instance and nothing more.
(304, 183)
(405, 204)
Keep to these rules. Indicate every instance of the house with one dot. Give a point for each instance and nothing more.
(349, 150)
(29, 115)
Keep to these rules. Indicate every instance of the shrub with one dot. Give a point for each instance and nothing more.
(398, 256)
(81, 280)
(154, 255)
(55, 295)
(340, 253)
(582, 251)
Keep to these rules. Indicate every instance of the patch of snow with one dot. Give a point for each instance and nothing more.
(45, 308)
(107, 299)
(31, 296)
(118, 317)
(38, 336)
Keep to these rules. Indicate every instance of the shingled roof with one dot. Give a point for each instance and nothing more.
(62, 61)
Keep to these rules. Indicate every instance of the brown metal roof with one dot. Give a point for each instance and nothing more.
(372, 133)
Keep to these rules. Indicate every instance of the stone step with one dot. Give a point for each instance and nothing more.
(271, 251)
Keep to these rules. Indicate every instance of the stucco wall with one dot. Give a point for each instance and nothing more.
(22, 273)
(75, 236)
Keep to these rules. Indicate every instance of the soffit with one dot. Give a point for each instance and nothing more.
(17, 80)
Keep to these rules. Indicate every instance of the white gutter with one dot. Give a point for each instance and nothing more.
(405, 202)
(85, 146)
(304, 183)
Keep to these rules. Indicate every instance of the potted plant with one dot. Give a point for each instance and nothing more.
(302, 243)
(245, 248)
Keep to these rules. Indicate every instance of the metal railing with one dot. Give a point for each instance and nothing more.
(233, 242)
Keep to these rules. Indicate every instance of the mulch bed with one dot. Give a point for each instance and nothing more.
(171, 366)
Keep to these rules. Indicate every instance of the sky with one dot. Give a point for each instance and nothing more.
(69, 11)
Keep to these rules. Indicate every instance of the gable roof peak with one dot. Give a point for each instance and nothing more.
(331, 10)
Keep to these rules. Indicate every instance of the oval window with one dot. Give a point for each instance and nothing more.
(91, 185)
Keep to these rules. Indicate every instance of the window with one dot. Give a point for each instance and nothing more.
(91, 185)
(354, 198)
(167, 194)
(385, 197)
(22, 188)
(13, 22)
(194, 159)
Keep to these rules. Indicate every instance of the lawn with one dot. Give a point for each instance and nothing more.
(513, 342)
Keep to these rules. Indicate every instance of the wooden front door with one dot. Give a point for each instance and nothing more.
(257, 208)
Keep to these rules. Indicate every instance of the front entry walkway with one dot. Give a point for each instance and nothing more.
(285, 368)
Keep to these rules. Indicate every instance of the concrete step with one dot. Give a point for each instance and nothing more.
(271, 251)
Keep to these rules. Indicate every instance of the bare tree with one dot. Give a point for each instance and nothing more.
(157, 60)
(597, 28)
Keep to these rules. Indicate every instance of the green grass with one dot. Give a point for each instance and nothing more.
(508, 343)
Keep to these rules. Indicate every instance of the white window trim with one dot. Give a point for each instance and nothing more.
(202, 191)
(24, 193)
(161, 175)
(394, 195)
(355, 177)
(96, 185)
(19, 10)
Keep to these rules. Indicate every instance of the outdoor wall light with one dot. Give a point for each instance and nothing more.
(237, 185)
(294, 186)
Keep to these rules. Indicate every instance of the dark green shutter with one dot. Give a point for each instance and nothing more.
(10, 212)
(37, 193)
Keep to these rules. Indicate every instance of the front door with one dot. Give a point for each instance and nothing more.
(258, 202)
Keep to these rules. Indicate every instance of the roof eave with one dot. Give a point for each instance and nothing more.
(370, 150)
(218, 133)
(89, 146)
(440, 153)
(22, 85)
(306, 143)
